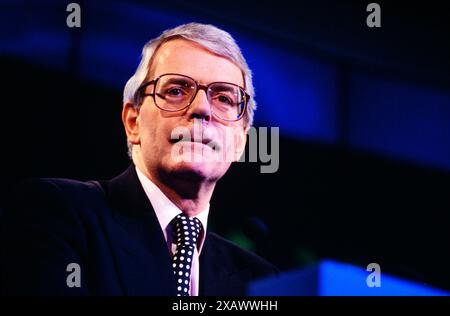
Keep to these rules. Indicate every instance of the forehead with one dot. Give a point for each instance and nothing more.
(191, 59)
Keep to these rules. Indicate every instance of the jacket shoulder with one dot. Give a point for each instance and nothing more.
(45, 229)
(59, 192)
(55, 186)
(54, 204)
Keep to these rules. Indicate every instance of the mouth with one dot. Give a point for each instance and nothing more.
(208, 142)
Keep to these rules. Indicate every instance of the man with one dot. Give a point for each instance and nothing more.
(186, 111)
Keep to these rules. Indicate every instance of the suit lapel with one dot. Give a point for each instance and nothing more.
(142, 257)
(218, 275)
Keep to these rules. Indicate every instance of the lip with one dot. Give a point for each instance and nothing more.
(204, 141)
(210, 144)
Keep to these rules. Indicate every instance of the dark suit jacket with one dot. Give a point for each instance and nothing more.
(110, 229)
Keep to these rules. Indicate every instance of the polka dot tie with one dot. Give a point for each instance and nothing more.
(186, 231)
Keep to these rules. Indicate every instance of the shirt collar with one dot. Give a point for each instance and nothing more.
(166, 210)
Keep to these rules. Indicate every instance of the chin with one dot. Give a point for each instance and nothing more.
(201, 170)
(195, 161)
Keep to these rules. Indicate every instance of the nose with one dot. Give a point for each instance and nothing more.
(200, 107)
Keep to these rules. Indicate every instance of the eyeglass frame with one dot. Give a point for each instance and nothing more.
(199, 86)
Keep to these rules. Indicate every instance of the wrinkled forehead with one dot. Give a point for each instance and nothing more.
(191, 59)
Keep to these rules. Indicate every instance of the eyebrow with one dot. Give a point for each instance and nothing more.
(179, 81)
(225, 86)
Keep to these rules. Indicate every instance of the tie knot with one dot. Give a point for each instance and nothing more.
(186, 230)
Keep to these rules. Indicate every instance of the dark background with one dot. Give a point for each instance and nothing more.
(364, 117)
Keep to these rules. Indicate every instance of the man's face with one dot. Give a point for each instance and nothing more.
(157, 138)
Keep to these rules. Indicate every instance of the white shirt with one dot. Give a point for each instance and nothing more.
(165, 211)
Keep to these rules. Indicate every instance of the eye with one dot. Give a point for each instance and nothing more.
(175, 92)
(224, 99)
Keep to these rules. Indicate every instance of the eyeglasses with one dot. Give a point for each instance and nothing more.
(175, 92)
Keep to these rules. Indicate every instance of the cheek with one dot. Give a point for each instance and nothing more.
(156, 134)
(232, 140)
(148, 129)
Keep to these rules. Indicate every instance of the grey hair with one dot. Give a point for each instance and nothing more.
(210, 37)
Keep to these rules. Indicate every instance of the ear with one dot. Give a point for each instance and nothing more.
(240, 141)
(130, 119)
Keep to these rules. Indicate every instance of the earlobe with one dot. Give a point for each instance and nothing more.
(130, 120)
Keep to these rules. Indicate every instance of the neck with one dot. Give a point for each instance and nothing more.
(191, 197)
(189, 193)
